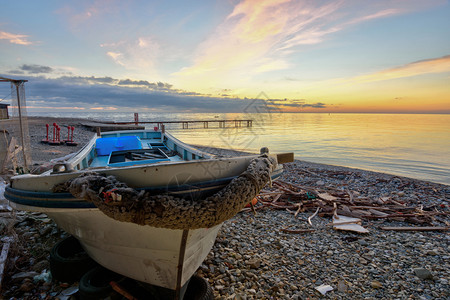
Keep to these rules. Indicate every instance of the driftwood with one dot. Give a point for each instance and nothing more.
(312, 216)
(324, 201)
(119, 289)
(411, 228)
(3, 258)
(296, 230)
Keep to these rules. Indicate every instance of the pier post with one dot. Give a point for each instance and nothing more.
(205, 124)
(136, 118)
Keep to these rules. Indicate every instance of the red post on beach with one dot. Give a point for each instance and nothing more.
(68, 134)
(136, 118)
(45, 141)
(71, 137)
(58, 129)
(54, 132)
(70, 142)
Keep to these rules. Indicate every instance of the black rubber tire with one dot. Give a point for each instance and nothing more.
(94, 285)
(198, 289)
(69, 261)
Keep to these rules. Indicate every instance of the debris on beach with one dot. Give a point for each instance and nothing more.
(324, 288)
(349, 208)
(348, 223)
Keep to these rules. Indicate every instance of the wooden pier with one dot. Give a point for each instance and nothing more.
(185, 124)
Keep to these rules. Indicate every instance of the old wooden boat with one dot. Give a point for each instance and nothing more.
(144, 204)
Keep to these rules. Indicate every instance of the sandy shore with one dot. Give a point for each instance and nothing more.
(266, 255)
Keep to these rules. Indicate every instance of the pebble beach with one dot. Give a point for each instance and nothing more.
(255, 257)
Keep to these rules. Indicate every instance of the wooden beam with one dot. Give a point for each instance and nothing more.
(412, 228)
(283, 158)
(3, 258)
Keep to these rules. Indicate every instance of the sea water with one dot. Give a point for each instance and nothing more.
(412, 145)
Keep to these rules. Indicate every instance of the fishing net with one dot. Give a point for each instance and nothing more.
(15, 138)
(120, 202)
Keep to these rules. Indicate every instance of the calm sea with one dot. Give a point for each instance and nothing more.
(413, 145)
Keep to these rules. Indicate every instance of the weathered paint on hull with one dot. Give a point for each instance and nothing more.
(144, 253)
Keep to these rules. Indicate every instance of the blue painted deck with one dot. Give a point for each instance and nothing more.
(124, 151)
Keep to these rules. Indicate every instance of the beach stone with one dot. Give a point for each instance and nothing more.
(26, 287)
(376, 284)
(23, 275)
(363, 242)
(423, 273)
(46, 230)
(254, 263)
(342, 286)
(432, 252)
(40, 266)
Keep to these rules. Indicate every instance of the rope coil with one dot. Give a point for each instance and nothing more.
(122, 203)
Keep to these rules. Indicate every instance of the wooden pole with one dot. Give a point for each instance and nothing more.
(22, 139)
(3, 258)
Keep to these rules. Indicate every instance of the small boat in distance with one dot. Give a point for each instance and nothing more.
(144, 204)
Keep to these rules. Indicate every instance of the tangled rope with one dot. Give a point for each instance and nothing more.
(122, 203)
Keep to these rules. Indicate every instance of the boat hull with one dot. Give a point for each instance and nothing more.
(158, 256)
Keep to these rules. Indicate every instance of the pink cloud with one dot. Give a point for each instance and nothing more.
(427, 66)
(267, 31)
(19, 39)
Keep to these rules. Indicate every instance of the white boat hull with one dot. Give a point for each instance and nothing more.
(145, 253)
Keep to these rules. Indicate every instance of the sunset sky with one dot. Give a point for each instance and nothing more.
(218, 56)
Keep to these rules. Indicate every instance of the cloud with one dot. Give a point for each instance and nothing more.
(298, 103)
(108, 94)
(84, 13)
(71, 93)
(427, 66)
(315, 105)
(19, 39)
(135, 54)
(260, 35)
(35, 69)
(145, 83)
(381, 14)
(117, 57)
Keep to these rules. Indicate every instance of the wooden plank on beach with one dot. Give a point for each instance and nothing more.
(283, 158)
(3, 258)
(297, 230)
(412, 228)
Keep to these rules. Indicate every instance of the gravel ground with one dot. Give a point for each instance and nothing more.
(253, 259)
